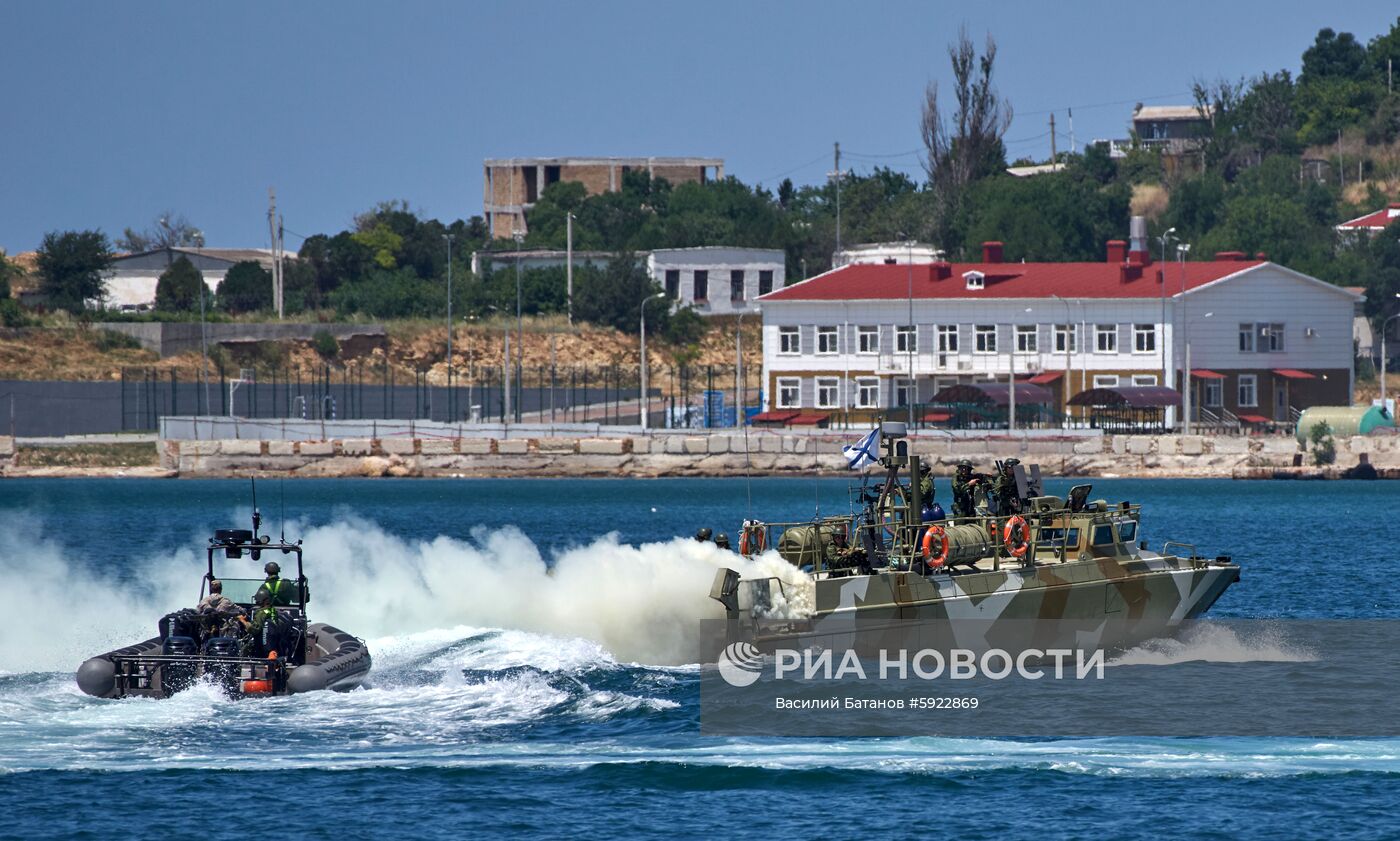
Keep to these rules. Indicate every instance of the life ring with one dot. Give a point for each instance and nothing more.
(929, 558)
(752, 540)
(1016, 547)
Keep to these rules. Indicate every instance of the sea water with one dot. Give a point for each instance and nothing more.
(536, 673)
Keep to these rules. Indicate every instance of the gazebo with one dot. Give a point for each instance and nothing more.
(1139, 408)
(985, 405)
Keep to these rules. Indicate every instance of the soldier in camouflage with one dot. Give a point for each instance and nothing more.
(964, 483)
(1008, 495)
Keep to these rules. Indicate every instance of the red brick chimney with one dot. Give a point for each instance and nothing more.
(991, 252)
(1117, 251)
(1230, 256)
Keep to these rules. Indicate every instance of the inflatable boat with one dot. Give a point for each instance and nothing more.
(254, 641)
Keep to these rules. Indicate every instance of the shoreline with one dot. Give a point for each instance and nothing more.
(714, 455)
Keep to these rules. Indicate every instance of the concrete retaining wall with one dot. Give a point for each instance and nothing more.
(172, 337)
(688, 455)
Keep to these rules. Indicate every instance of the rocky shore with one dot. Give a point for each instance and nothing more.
(728, 454)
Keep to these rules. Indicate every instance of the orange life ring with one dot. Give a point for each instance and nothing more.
(1017, 548)
(929, 558)
(755, 545)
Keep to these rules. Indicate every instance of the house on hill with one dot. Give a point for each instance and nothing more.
(131, 278)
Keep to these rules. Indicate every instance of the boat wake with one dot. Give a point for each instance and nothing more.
(1212, 642)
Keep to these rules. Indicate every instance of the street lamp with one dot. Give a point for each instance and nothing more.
(569, 262)
(1165, 239)
(912, 395)
(1070, 334)
(1384, 325)
(519, 237)
(448, 239)
(644, 407)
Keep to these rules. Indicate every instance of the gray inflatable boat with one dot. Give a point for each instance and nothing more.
(279, 654)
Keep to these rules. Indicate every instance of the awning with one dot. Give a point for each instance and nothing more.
(937, 417)
(780, 416)
(1253, 418)
(1047, 377)
(994, 394)
(813, 419)
(1293, 374)
(1130, 397)
(1206, 374)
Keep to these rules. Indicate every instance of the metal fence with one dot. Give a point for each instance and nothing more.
(680, 396)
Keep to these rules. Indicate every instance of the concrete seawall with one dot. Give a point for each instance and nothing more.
(768, 453)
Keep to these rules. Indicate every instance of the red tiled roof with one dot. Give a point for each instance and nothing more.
(1253, 418)
(813, 419)
(774, 417)
(1047, 377)
(1206, 374)
(1375, 221)
(1006, 280)
(1293, 374)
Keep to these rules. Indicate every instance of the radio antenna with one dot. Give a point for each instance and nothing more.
(282, 488)
(257, 518)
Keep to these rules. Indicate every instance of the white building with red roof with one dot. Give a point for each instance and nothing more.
(1372, 223)
(1265, 341)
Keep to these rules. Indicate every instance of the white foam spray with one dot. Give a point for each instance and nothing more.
(642, 603)
(1214, 643)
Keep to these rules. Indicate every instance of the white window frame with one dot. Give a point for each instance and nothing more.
(789, 341)
(781, 389)
(1274, 333)
(984, 339)
(1105, 381)
(1144, 338)
(832, 384)
(1252, 380)
(1028, 338)
(1213, 395)
(1063, 331)
(867, 392)
(1144, 379)
(947, 338)
(867, 340)
(904, 336)
(911, 389)
(1248, 340)
(1107, 332)
(828, 341)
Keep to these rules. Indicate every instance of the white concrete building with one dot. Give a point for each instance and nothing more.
(131, 279)
(893, 253)
(718, 280)
(1265, 341)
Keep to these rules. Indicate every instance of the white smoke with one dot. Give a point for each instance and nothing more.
(642, 603)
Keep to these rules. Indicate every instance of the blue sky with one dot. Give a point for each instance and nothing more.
(116, 111)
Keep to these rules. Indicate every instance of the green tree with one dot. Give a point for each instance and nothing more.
(179, 287)
(613, 297)
(9, 271)
(246, 288)
(1056, 216)
(70, 266)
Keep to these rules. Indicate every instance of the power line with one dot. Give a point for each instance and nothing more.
(1132, 101)
(815, 160)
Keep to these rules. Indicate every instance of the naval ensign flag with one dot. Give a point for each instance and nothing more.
(862, 452)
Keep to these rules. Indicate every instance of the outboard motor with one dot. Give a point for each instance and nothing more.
(181, 623)
(177, 676)
(221, 647)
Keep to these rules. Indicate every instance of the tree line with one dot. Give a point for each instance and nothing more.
(1279, 163)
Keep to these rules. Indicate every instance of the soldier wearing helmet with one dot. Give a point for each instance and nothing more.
(964, 483)
(1008, 494)
(703, 535)
(722, 541)
(281, 591)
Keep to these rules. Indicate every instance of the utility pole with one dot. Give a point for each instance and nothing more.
(519, 323)
(739, 371)
(1073, 148)
(1053, 154)
(837, 175)
(450, 412)
(569, 262)
(272, 225)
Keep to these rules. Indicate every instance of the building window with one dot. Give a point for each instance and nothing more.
(868, 339)
(1248, 391)
(906, 340)
(789, 393)
(673, 283)
(1214, 396)
(1027, 338)
(1144, 379)
(1144, 338)
(765, 281)
(702, 286)
(1105, 381)
(1066, 334)
(986, 335)
(867, 392)
(947, 338)
(1272, 335)
(828, 389)
(904, 393)
(1106, 338)
(826, 341)
(1246, 338)
(736, 285)
(789, 341)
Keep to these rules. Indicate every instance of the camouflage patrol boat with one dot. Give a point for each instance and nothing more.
(1060, 571)
(288, 656)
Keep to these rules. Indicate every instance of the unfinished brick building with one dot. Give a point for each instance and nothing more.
(513, 185)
